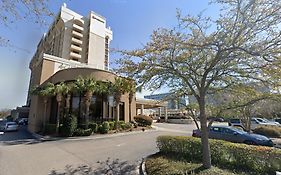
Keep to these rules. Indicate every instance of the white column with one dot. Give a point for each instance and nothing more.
(159, 112)
(142, 109)
(165, 113)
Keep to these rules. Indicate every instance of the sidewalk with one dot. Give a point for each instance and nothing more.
(91, 137)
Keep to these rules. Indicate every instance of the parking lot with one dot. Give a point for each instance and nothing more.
(22, 135)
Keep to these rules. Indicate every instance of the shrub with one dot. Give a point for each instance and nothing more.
(258, 159)
(269, 131)
(50, 128)
(143, 120)
(94, 127)
(82, 126)
(121, 123)
(9, 118)
(104, 128)
(82, 132)
(69, 125)
(125, 126)
(111, 125)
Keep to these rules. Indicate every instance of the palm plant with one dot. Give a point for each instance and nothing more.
(79, 87)
(45, 91)
(132, 90)
(69, 88)
(87, 86)
(119, 87)
(59, 90)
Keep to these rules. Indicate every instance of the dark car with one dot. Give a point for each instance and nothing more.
(23, 121)
(235, 135)
(278, 120)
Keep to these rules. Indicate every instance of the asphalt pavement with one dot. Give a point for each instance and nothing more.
(14, 137)
(22, 154)
(96, 154)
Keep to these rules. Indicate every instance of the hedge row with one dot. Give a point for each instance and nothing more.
(143, 120)
(257, 159)
(269, 131)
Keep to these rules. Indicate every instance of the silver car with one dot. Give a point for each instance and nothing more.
(11, 126)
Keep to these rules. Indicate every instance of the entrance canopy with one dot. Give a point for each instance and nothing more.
(149, 103)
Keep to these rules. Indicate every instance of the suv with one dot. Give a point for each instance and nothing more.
(255, 122)
(236, 123)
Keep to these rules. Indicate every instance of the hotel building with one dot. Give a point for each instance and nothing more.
(73, 46)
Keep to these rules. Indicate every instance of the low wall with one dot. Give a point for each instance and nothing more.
(180, 121)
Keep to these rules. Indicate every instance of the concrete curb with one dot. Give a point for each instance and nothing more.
(142, 170)
(92, 137)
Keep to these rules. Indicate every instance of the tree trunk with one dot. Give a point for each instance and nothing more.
(88, 100)
(59, 99)
(68, 97)
(117, 115)
(204, 134)
(58, 119)
(45, 113)
(117, 101)
(130, 106)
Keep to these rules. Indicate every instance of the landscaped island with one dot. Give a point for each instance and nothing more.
(182, 155)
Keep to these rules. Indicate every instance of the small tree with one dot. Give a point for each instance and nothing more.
(69, 88)
(117, 88)
(45, 91)
(59, 90)
(87, 86)
(14, 10)
(204, 56)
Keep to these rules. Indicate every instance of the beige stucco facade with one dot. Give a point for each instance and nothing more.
(36, 114)
(73, 46)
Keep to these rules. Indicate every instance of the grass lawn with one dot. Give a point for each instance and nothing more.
(163, 165)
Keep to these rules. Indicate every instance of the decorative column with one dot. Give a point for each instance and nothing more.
(142, 109)
(165, 113)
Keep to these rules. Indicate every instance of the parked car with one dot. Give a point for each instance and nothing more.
(235, 123)
(263, 120)
(216, 119)
(23, 121)
(255, 122)
(11, 126)
(235, 135)
(278, 120)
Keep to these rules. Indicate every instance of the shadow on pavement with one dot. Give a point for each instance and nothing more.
(108, 167)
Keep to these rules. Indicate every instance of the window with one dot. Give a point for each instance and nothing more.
(106, 56)
(216, 129)
(227, 131)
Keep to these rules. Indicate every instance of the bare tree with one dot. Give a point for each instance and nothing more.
(14, 10)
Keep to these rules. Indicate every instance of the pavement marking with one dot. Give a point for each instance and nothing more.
(121, 144)
(1, 133)
(169, 130)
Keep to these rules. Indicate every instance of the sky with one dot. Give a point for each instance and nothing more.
(132, 22)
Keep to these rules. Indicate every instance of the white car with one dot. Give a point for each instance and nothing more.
(263, 120)
(255, 122)
(11, 126)
(258, 122)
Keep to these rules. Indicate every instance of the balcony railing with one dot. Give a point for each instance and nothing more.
(75, 55)
(77, 34)
(76, 41)
(75, 48)
(78, 28)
